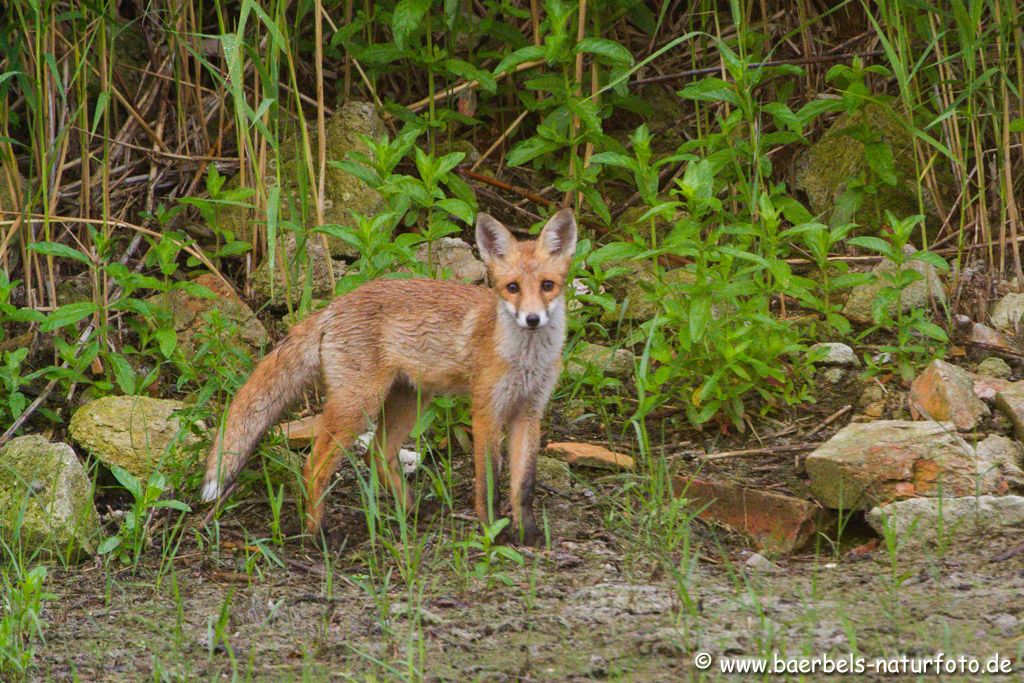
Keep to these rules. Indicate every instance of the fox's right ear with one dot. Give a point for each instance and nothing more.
(492, 238)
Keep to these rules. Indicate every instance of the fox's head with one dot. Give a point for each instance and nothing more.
(528, 276)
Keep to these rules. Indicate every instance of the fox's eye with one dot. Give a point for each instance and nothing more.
(547, 285)
(512, 287)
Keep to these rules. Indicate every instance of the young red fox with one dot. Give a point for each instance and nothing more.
(387, 346)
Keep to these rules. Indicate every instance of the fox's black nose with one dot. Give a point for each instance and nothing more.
(533, 320)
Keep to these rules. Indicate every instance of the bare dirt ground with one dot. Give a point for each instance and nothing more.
(597, 605)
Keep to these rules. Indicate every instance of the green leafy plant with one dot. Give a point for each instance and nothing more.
(918, 339)
(20, 626)
(132, 537)
(491, 555)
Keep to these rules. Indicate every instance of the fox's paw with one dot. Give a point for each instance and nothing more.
(211, 491)
(532, 536)
(528, 535)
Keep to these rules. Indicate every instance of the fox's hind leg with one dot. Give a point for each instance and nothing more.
(396, 422)
(344, 417)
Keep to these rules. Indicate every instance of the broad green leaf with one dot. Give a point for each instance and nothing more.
(605, 48)
(527, 54)
(711, 89)
(875, 244)
(69, 314)
(60, 250)
(407, 17)
(108, 544)
(530, 149)
(127, 480)
(931, 258)
(469, 72)
(124, 373)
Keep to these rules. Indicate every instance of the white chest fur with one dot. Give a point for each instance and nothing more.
(533, 359)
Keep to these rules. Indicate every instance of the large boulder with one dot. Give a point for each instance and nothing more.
(1011, 402)
(189, 314)
(46, 498)
(916, 295)
(619, 363)
(825, 169)
(284, 285)
(455, 256)
(929, 521)
(138, 433)
(343, 192)
(945, 393)
(982, 334)
(873, 463)
(633, 291)
(1008, 312)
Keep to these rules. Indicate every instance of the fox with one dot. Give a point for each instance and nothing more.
(383, 349)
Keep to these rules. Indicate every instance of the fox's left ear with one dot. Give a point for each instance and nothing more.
(559, 235)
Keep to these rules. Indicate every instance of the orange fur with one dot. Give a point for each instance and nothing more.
(385, 348)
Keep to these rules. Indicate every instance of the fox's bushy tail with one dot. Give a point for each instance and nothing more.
(278, 381)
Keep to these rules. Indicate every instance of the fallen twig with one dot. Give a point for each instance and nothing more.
(831, 418)
(770, 450)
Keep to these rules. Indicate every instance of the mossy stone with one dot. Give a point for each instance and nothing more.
(824, 170)
(343, 192)
(137, 433)
(46, 497)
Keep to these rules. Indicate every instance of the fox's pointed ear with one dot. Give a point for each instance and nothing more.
(492, 238)
(559, 234)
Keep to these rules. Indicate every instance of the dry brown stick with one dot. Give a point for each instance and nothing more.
(501, 139)
(831, 418)
(770, 450)
(502, 185)
(993, 347)
(459, 87)
(321, 127)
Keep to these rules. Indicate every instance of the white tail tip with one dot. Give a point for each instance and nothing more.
(211, 491)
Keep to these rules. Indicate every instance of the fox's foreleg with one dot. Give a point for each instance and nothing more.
(524, 443)
(486, 461)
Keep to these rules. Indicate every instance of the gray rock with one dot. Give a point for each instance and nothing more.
(137, 433)
(917, 295)
(553, 472)
(835, 354)
(833, 375)
(759, 562)
(618, 363)
(1007, 313)
(872, 463)
(994, 366)
(284, 286)
(46, 498)
(918, 522)
(454, 255)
